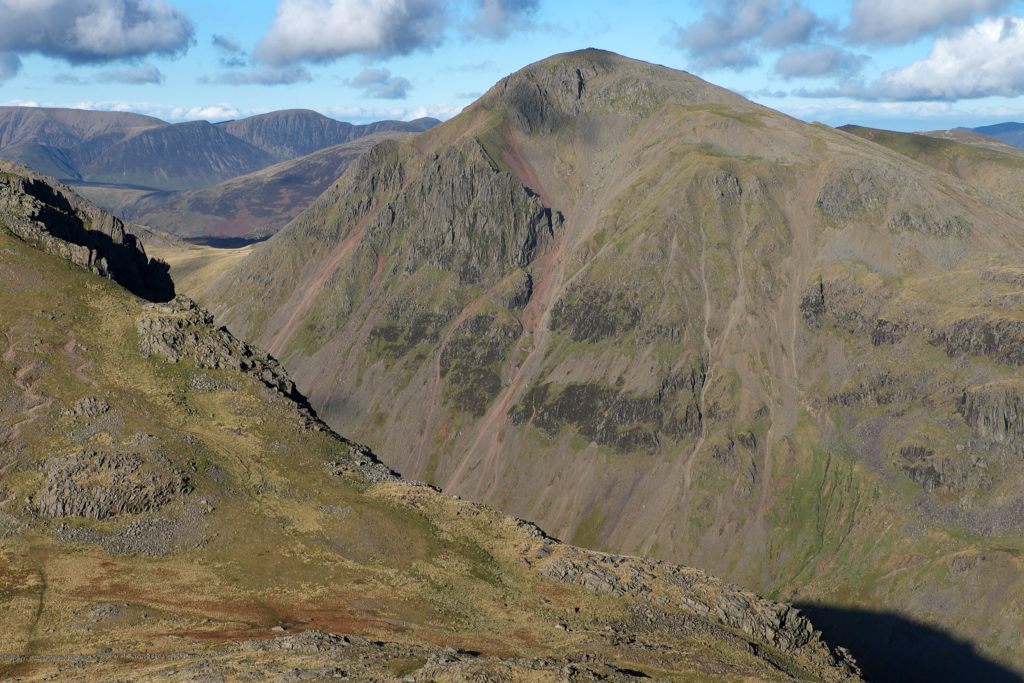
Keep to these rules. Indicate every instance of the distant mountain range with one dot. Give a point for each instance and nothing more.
(109, 157)
(1009, 132)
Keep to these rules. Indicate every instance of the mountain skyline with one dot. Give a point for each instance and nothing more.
(896, 66)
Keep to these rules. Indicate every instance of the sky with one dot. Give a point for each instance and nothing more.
(897, 64)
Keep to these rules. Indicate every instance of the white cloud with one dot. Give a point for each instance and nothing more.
(819, 62)
(214, 112)
(323, 30)
(263, 76)
(730, 31)
(227, 43)
(381, 84)
(498, 18)
(147, 74)
(980, 61)
(95, 31)
(441, 111)
(895, 22)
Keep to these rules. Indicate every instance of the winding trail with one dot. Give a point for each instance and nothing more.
(83, 363)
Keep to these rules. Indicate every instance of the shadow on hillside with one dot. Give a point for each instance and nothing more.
(889, 647)
(225, 242)
(127, 264)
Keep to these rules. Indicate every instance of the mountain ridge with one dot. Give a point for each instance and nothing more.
(108, 155)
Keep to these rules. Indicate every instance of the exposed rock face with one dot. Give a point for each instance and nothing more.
(779, 624)
(994, 411)
(97, 485)
(1001, 339)
(180, 329)
(481, 221)
(51, 216)
(603, 414)
(872, 192)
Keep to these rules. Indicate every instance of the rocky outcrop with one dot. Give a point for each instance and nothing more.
(51, 216)
(994, 411)
(998, 338)
(608, 416)
(777, 624)
(464, 215)
(180, 329)
(98, 485)
(871, 193)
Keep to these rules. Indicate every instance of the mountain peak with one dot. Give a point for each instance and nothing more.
(542, 96)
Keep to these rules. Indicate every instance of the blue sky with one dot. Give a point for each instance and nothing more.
(904, 65)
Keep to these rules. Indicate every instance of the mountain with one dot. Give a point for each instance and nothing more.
(171, 508)
(109, 156)
(191, 155)
(63, 128)
(666, 321)
(293, 133)
(968, 137)
(259, 202)
(1010, 132)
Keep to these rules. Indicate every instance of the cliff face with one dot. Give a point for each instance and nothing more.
(50, 215)
(171, 506)
(740, 339)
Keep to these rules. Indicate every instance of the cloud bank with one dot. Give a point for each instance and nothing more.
(93, 32)
(326, 30)
(379, 83)
(980, 61)
(892, 23)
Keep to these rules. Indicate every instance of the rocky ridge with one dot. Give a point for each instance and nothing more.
(53, 217)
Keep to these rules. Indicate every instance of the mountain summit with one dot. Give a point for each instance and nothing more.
(664, 320)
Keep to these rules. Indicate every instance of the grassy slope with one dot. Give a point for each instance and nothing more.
(997, 171)
(268, 538)
(698, 224)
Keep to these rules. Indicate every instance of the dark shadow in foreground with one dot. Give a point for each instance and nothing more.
(890, 647)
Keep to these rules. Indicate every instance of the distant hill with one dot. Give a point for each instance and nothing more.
(1009, 132)
(969, 137)
(176, 157)
(988, 164)
(293, 133)
(261, 202)
(141, 152)
(65, 127)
